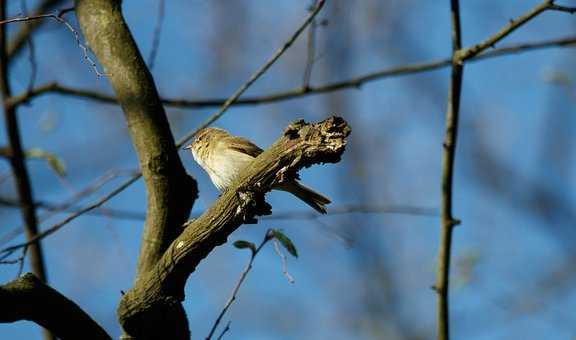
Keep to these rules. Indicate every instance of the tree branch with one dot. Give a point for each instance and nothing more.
(256, 75)
(450, 138)
(459, 55)
(28, 298)
(212, 118)
(124, 214)
(170, 191)
(54, 228)
(162, 288)
(20, 38)
(298, 92)
(470, 52)
(253, 253)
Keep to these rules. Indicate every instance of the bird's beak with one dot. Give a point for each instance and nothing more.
(188, 147)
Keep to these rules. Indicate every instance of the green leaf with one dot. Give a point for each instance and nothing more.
(241, 244)
(54, 162)
(285, 241)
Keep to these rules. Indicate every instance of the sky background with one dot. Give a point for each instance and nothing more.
(358, 276)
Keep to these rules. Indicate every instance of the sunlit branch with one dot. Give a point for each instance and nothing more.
(352, 83)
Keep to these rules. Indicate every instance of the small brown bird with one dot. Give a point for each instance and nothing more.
(223, 156)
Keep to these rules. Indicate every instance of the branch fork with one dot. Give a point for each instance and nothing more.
(157, 294)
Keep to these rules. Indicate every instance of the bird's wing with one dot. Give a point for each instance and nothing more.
(243, 145)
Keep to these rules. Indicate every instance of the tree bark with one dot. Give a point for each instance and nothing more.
(28, 298)
(170, 191)
(142, 311)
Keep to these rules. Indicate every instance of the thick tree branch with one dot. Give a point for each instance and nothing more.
(170, 191)
(162, 288)
(298, 92)
(28, 298)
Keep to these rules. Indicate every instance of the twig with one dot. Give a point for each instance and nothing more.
(19, 38)
(58, 17)
(66, 205)
(157, 33)
(310, 52)
(467, 53)
(300, 92)
(566, 9)
(18, 165)
(183, 140)
(225, 330)
(448, 222)
(73, 216)
(282, 215)
(450, 138)
(31, 51)
(59, 207)
(256, 74)
(236, 288)
(21, 265)
(12, 261)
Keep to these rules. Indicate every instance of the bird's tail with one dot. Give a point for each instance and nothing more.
(309, 196)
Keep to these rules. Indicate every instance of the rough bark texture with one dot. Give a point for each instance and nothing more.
(170, 191)
(152, 309)
(27, 298)
(142, 309)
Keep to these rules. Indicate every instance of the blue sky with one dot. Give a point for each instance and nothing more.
(359, 276)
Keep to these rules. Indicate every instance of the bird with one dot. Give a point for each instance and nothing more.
(223, 156)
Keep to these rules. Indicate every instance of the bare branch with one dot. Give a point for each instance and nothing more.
(236, 288)
(120, 214)
(448, 222)
(450, 137)
(470, 52)
(59, 18)
(352, 83)
(256, 74)
(157, 33)
(26, 31)
(137, 176)
(31, 52)
(225, 330)
(67, 204)
(71, 217)
(310, 51)
(27, 298)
